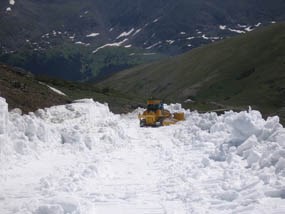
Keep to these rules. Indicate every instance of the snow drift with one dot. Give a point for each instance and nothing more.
(82, 158)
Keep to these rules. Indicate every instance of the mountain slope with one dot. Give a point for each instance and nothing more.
(29, 19)
(21, 90)
(140, 31)
(29, 92)
(241, 71)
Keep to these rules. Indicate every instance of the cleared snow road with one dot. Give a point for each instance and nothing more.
(80, 158)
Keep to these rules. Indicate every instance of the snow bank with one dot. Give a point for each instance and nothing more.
(80, 157)
(3, 126)
(3, 116)
(47, 129)
(260, 142)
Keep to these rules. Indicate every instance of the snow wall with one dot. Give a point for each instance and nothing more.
(260, 142)
(232, 139)
(3, 116)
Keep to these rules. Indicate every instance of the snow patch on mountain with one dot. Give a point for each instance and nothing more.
(125, 34)
(236, 30)
(81, 43)
(190, 38)
(93, 35)
(115, 44)
(53, 89)
(248, 29)
(12, 2)
(205, 37)
(242, 26)
(137, 31)
(153, 45)
(170, 41)
(56, 90)
(154, 21)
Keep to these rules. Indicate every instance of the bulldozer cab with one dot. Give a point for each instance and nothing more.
(154, 105)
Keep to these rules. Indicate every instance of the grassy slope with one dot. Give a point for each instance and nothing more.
(241, 71)
(23, 90)
(118, 102)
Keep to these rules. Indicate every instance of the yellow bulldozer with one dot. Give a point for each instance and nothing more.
(156, 115)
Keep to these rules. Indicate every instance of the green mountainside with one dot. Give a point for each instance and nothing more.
(87, 39)
(233, 73)
(73, 62)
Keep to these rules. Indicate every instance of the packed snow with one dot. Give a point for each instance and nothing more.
(80, 158)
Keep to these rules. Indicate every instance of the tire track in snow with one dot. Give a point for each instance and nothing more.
(135, 186)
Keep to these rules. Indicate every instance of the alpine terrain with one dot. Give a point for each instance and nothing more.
(76, 136)
(81, 40)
